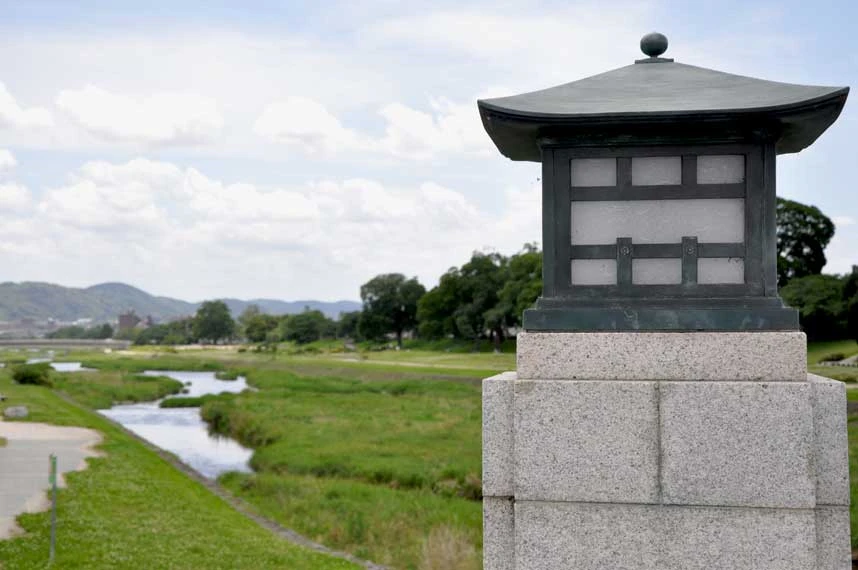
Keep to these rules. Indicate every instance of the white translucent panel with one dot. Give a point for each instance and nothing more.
(658, 221)
(594, 171)
(594, 272)
(721, 169)
(656, 170)
(720, 270)
(656, 271)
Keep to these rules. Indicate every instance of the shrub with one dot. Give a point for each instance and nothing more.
(833, 357)
(38, 374)
(226, 375)
(180, 402)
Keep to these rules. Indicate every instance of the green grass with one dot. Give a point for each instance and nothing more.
(410, 434)
(132, 509)
(100, 390)
(182, 402)
(817, 350)
(226, 375)
(143, 361)
(3, 442)
(388, 526)
(847, 374)
(371, 466)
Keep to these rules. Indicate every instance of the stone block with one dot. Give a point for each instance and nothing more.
(497, 435)
(552, 535)
(586, 441)
(746, 444)
(833, 549)
(723, 356)
(498, 534)
(713, 538)
(831, 448)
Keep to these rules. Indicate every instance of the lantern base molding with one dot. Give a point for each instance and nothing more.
(702, 466)
(742, 315)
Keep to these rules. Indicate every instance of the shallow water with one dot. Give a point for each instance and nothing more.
(181, 430)
(70, 367)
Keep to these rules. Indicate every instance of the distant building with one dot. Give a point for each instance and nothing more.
(128, 321)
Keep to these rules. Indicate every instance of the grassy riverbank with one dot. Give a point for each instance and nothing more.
(379, 456)
(132, 509)
(99, 390)
(369, 466)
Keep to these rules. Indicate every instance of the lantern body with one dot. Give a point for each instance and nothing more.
(660, 238)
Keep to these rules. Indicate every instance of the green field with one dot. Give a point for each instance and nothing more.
(818, 350)
(374, 453)
(132, 509)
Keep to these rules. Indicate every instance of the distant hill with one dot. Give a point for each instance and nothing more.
(104, 302)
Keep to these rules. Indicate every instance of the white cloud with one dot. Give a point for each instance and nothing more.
(843, 221)
(14, 197)
(409, 133)
(161, 118)
(7, 161)
(152, 223)
(450, 128)
(306, 123)
(13, 115)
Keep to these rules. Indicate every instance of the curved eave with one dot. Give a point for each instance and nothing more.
(517, 133)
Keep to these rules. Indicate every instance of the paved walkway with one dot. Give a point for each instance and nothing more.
(24, 465)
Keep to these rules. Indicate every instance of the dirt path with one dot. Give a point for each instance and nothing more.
(24, 465)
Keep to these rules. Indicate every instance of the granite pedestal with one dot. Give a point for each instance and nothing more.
(662, 451)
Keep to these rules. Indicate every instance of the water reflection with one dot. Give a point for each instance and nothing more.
(70, 367)
(181, 430)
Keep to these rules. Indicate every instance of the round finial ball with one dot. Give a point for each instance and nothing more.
(654, 44)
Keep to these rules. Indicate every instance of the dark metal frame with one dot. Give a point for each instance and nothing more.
(688, 305)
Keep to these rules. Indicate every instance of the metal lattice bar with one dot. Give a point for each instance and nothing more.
(624, 261)
(689, 260)
(679, 192)
(657, 251)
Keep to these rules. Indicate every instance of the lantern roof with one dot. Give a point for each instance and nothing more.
(657, 90)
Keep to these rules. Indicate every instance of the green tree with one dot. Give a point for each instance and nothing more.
(850, 299)
(820, 303)
(249, 312)
(96, 332)
(481, 279)
(255, 325)
(803, 232)
(103, 331)
(464, 304)
(389, 305)
(522, 286)
(436, 309)
(258, 327)
(306, 327)
(347, 325)
(213, 322)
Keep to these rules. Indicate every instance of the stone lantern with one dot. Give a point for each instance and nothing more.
(661, 415)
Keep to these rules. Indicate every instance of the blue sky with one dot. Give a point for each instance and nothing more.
(295, 150)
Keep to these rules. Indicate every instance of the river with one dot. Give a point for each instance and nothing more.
(182, 431)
